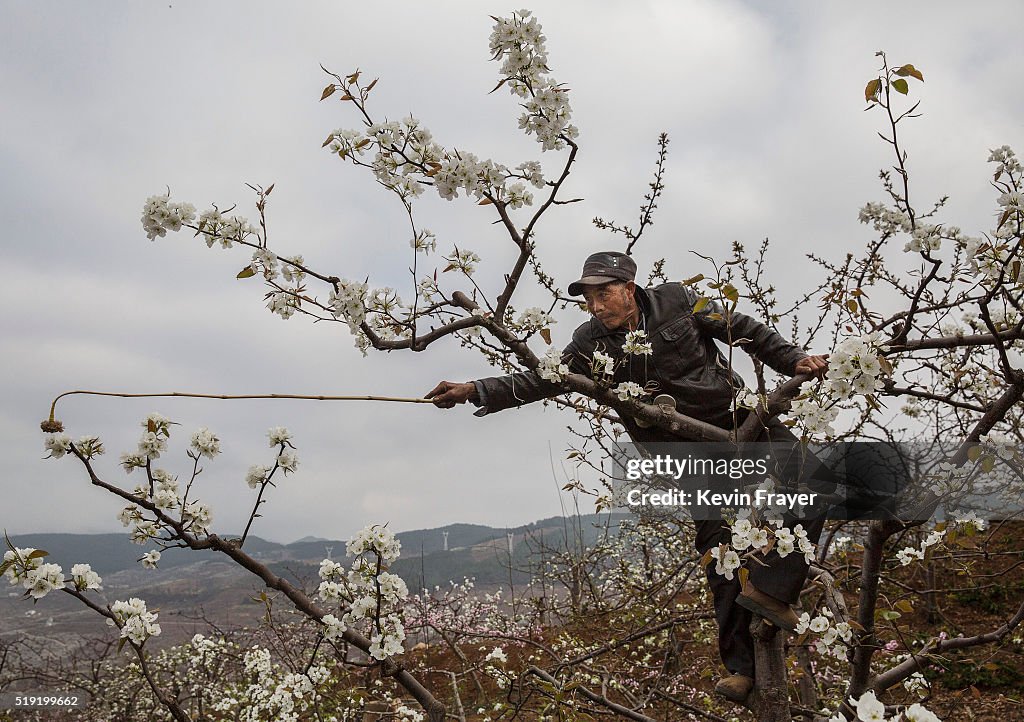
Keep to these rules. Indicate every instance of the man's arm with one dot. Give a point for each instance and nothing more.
(504, 392)
(495, 393)
(448, 393)
(765, 344)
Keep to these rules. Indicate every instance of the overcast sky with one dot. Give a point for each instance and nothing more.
(103, 104)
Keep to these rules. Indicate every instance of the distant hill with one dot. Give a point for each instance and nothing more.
(190, 584)
(108, 553)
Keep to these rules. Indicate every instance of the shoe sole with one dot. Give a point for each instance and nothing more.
(748, 603)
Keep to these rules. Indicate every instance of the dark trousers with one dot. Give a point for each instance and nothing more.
(782, 578)
(779, 577)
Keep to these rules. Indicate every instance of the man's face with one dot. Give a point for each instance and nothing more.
(612, 304)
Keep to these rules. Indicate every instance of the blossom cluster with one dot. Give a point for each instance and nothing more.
(637, 343)
(746, 535)
(205, 443)
(551, 367)
(603, 364)
(855, 366)
(519, 44)
(908, 554)
(533, 319)
(628, 390)
(26, 567)
(214, 227)
(871, 709)
(835, 636)
(726, 560)
(814, 418)
(273, 695)
(135, 621)
(1001, 445)
(372, 594)
(159, 215)
(924, 237)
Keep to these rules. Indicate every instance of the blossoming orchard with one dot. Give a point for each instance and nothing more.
(923, 328)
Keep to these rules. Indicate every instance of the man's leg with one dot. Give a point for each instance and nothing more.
(735, 645)
(783, 578)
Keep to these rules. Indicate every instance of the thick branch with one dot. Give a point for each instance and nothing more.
(919, 659)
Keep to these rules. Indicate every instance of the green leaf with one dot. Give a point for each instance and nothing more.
(38, 554)
(871, 90)
(700, 305)
(890, 615)
(988, 463)
(695, 279)
(900, 86)
(730, 292)
(247, 272)
(974, 453)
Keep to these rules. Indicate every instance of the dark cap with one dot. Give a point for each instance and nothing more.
(604, 267)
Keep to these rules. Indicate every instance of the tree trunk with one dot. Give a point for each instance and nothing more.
(770, 698)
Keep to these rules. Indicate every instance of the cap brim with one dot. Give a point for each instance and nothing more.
(576, 288)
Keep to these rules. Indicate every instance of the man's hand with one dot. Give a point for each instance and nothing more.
(813, 365)
(448, 393)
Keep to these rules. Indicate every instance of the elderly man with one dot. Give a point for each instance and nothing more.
(686, 363)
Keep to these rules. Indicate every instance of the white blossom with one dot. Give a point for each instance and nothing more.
(603, 364)
(205, 443)
(637, 343)
(334, 628)
(256, 475)
(726, 561)
(134, 620)
(917, 713)
(551, 367)
(279, 435)
(869, 708)
(159, 215)
(534, 319)
(628, 390)
(57, 445)
(496, 655)
(84, 578)
(288, 461)
(43, 579)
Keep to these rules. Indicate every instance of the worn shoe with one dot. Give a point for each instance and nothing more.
(778, 613)
(735, 687)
